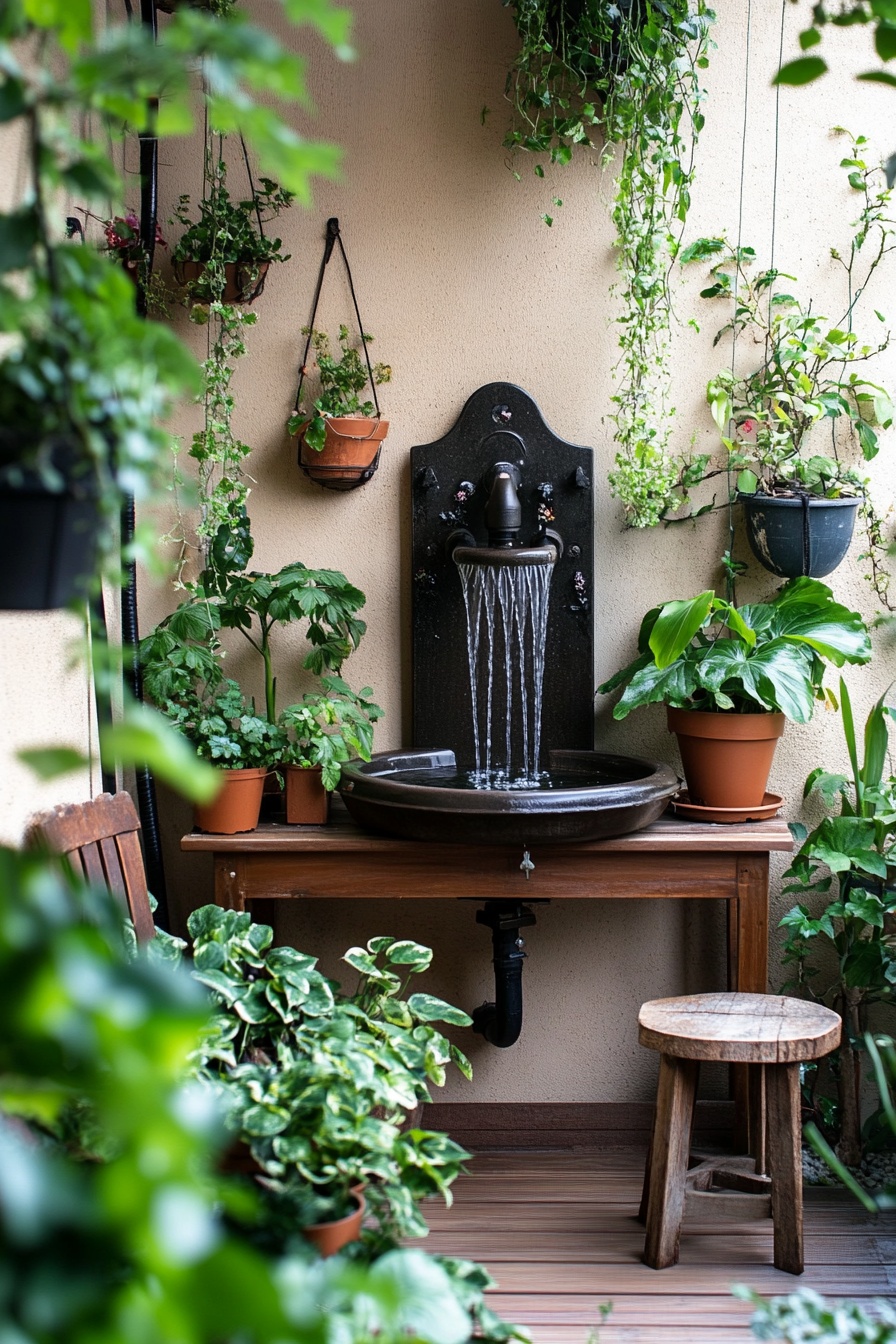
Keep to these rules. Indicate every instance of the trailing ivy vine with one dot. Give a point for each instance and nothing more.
(226, 234)
(594, 74)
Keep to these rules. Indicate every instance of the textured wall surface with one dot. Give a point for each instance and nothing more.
(461, 284)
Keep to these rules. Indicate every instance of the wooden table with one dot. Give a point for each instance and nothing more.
(670, 859)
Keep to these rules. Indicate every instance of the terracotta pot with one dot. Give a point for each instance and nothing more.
(350, 454)
(328, 1238)
(243, 282)
(726, 757)
(237, 806)
(307, 801)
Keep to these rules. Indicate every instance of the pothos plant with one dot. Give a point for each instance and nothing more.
(597, 76)
(811, 371)
(226, 233)
(319, 1080)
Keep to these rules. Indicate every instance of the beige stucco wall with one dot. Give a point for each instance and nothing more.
(461, 283)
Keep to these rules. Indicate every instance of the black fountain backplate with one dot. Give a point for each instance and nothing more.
(500, 423)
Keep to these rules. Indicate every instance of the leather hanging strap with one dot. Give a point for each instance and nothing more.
(333, 236)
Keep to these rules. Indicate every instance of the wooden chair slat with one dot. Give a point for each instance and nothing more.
(93, 864)
(101, 840)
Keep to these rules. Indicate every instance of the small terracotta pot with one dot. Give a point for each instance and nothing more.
(726, 757)
(328, 1238)
(307, 801)
(350, 454)
(237, 806)
(243, 282)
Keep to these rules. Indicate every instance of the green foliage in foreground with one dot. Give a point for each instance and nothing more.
(137, 1246)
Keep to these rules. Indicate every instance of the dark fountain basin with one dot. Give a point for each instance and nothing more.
(420, 795)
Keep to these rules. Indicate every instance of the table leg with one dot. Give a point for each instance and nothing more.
(228, 882)
(748, 969)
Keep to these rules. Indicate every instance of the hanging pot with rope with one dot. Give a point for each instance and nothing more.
(799, 534)
(340, 439)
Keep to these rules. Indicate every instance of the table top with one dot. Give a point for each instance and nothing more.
(341, 836)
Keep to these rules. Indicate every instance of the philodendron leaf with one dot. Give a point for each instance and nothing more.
(671, 685)
(406, 953)
(427, 1008)
(262, 1122)
(781, 675)
(676, 626)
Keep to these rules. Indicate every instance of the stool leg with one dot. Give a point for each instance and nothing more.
(782, 1082)
(675, 1096)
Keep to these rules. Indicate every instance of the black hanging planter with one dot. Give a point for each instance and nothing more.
(795, 536)
(49, 540)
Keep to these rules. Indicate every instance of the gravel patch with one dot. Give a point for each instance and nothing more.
(876, 1170)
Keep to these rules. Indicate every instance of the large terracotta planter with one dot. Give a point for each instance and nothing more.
(243, 282)
(237, 806)
(328, 1238)
(350, 455)
(726, 757)
(307, 801)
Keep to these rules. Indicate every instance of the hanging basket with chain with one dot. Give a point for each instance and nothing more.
(340, 439)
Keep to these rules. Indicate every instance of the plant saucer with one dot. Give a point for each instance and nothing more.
(694, 812)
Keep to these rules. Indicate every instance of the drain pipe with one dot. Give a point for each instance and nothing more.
(501, 1022)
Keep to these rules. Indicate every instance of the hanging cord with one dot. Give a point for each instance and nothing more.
(252, 187)
(730, 581)
(801, 493)
(334, 236)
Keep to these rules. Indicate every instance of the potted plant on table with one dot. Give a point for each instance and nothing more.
(731, 674)
(342, 434)
(323, 730)
(800, 504)
(320, 1081)
(182, 661)
(856, 848)
(226, 731)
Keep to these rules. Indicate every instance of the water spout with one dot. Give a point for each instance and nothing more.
(503, 512)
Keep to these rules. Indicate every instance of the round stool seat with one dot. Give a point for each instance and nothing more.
(739, 1028)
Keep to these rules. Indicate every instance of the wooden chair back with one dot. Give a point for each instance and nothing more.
(101, 841)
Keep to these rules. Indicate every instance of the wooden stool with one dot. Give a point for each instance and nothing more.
(772, 1034)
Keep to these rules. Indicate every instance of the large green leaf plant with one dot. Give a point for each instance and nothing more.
(706, 653)
(844, 955)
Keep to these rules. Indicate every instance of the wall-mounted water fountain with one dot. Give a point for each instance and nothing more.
(502, 569)
(502, 572)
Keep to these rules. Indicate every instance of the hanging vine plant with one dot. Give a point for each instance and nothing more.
(593, 75)
(230, 255)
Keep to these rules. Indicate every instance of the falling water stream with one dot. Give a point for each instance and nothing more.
(507, 617)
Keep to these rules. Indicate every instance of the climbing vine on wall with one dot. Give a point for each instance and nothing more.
(592, 75)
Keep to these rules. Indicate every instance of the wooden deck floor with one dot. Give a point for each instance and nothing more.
(558, 1233)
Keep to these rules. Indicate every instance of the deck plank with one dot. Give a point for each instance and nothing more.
(557, 1232)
